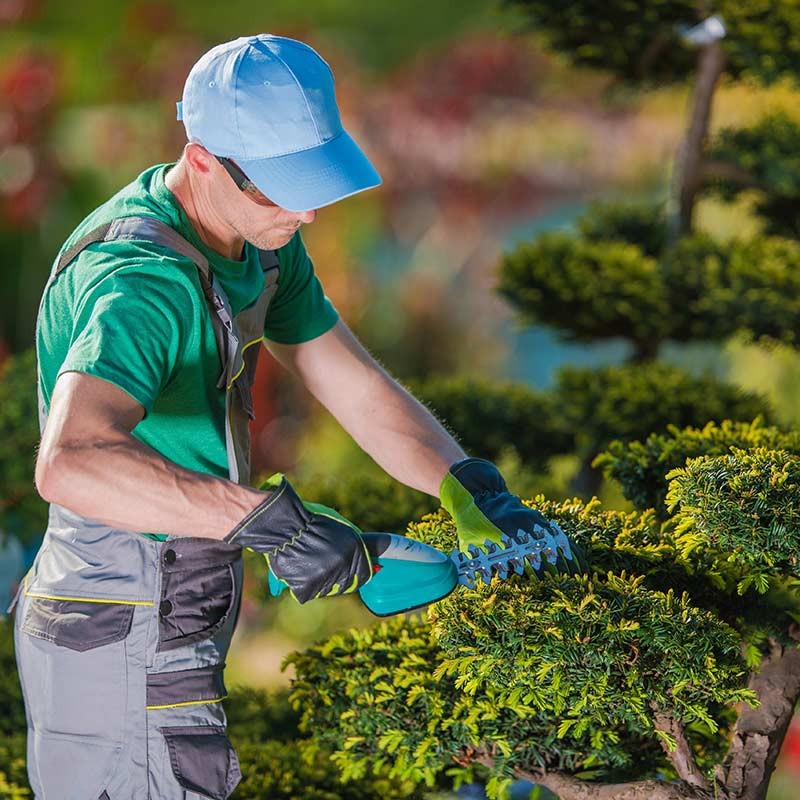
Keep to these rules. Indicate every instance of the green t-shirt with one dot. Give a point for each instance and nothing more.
(134, 314)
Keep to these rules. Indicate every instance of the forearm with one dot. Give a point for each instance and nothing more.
(386, 421)
(119, 481)
(401, 435)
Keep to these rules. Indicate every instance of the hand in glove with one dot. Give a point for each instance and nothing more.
(476, 496)
(311, 548)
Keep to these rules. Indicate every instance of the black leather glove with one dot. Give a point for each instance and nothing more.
(311, 548)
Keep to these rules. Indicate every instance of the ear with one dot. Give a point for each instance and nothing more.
(198, 158)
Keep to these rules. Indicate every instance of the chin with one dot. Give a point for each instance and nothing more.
(271, 241)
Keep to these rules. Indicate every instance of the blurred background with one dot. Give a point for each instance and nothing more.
(484, 137)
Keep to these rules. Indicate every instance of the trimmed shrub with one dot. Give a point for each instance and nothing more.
(764, 157)
(640, 468)
(631, 401)
(490, 416)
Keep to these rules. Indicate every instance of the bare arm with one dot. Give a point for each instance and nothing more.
(382, 417)
(90, 463)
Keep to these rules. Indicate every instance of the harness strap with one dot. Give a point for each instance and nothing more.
(141, 227)
(154, 230)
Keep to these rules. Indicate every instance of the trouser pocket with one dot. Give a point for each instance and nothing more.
(199, 590)
(202, 759)
(71, 656)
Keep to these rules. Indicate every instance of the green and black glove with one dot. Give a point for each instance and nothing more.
(310, 547)
(476, 496)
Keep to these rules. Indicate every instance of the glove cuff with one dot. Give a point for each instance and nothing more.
(476, 475)
(466, 481)
(274, 522)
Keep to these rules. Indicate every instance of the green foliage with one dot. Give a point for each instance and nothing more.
(640, 224)
(764, 156)
(301, 770)
(745, 503)
(23, 514)
(490, 416)
(566, 672)
(599, 653)
(717, 289)
(372, 500)
(586, 289)
(614, 280)
(762, 293)
(13, 773)
(640, 467)
(631, 401)
(640, 41)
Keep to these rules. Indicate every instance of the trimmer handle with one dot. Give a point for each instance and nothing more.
(408, 574)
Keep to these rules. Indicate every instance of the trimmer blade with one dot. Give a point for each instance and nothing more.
(510, 555)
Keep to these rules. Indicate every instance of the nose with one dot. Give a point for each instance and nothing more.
(307, 216)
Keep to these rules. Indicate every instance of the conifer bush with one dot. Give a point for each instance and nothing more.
(489, 416)
(632, 400)
(640, 467)
(661, 662)
(763, 158)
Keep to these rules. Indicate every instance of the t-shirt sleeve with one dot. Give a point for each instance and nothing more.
(132, 329)
(300, 311)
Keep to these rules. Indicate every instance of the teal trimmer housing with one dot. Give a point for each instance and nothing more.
(407, 575)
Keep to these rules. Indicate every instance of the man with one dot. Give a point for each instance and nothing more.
(147, 337)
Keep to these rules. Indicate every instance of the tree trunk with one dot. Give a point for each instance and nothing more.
(587, 480)
(687, 173)
(760, 731)
(644, 351)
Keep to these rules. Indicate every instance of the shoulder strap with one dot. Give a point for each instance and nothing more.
(147, 228)
(154, 230)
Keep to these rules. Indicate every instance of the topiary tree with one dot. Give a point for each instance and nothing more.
(605, 283)
(609, 281)
(674, 41)
(762, 159)
(671, 671)
(643, 274)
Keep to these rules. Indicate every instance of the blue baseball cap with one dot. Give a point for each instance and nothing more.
(268, 103)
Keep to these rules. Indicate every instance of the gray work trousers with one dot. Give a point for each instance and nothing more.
(121, 643)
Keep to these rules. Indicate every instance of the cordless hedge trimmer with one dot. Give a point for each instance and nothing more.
(409, 574)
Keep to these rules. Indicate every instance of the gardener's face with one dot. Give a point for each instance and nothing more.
(256, 218)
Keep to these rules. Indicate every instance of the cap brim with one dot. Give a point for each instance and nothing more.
(313, 178)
